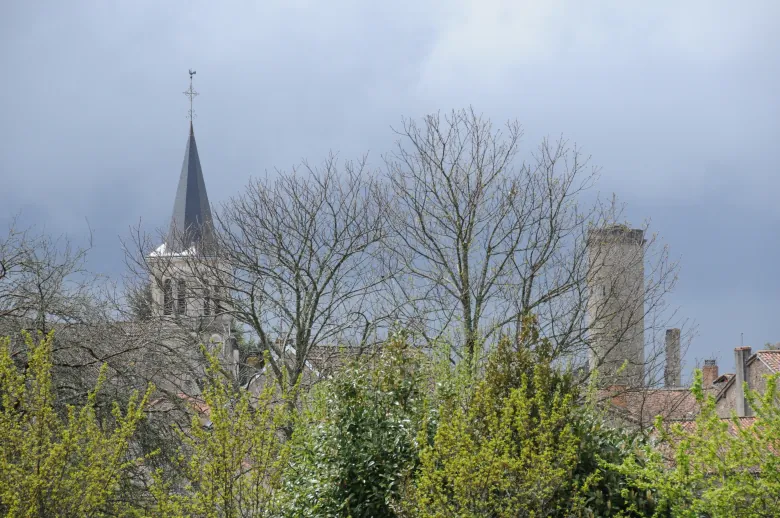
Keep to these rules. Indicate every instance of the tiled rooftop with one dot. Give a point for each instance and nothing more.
(642, 405)
(742, 422)
(771, 359)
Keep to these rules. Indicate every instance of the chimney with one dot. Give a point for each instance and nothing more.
(741, 355)
(672, 371)
(709, 373)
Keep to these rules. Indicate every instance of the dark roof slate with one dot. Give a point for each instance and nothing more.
(191, 222)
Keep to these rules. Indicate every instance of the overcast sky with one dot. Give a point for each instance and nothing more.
(677, 102)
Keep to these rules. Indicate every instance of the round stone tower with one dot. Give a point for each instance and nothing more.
(616, 304)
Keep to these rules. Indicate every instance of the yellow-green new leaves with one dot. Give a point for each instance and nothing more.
(504, 449)
(715, 467)
(232, 455)
(55, 465)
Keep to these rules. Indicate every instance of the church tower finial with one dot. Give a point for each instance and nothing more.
(191, 223)
(191, 93)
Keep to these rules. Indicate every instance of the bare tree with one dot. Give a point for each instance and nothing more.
(44, 281)
(469, 239)
(47, 287)
(485, 238)
(294, 261)
(474, 229)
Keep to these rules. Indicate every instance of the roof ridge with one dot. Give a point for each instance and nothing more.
(771, 359)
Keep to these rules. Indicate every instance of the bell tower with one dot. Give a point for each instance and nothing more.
(185, 268)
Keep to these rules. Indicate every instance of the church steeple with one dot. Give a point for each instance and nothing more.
(182, 293)
(191, 223)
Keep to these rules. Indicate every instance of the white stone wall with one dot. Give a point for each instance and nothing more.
(196, 291)
(195, 326)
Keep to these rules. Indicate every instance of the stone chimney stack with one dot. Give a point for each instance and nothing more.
(709, 373)
(672, 370)
(741, 355)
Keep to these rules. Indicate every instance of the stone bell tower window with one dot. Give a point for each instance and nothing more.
(181, 297)
(167, 297)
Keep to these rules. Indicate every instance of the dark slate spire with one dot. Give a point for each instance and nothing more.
(191, 223)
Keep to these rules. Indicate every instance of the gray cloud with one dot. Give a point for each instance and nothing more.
(677, 104)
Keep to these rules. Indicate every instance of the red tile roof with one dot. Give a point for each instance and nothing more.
(771, 359)
(196, 404)
(742, 422)
(670, 403)
(192, 402)
(641, 405)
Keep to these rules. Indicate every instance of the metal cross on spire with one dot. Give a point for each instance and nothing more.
(191, 93)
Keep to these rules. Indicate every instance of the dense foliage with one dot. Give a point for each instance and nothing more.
(232, 454)
(608, 491)
(716, 467)
(518, 441)
(356, 443)
(394, 433)
(507, 450)
(53, 464)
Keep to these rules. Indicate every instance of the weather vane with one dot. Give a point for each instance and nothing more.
(191, 94)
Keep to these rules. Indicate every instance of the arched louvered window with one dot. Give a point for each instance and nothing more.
(206, 301)
(167, 297)
(181, 297)
(217, 302)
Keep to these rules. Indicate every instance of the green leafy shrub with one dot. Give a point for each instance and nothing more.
(55, 465)
(232, 455)
(356, 442)
(505, 446)
(714, 467)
